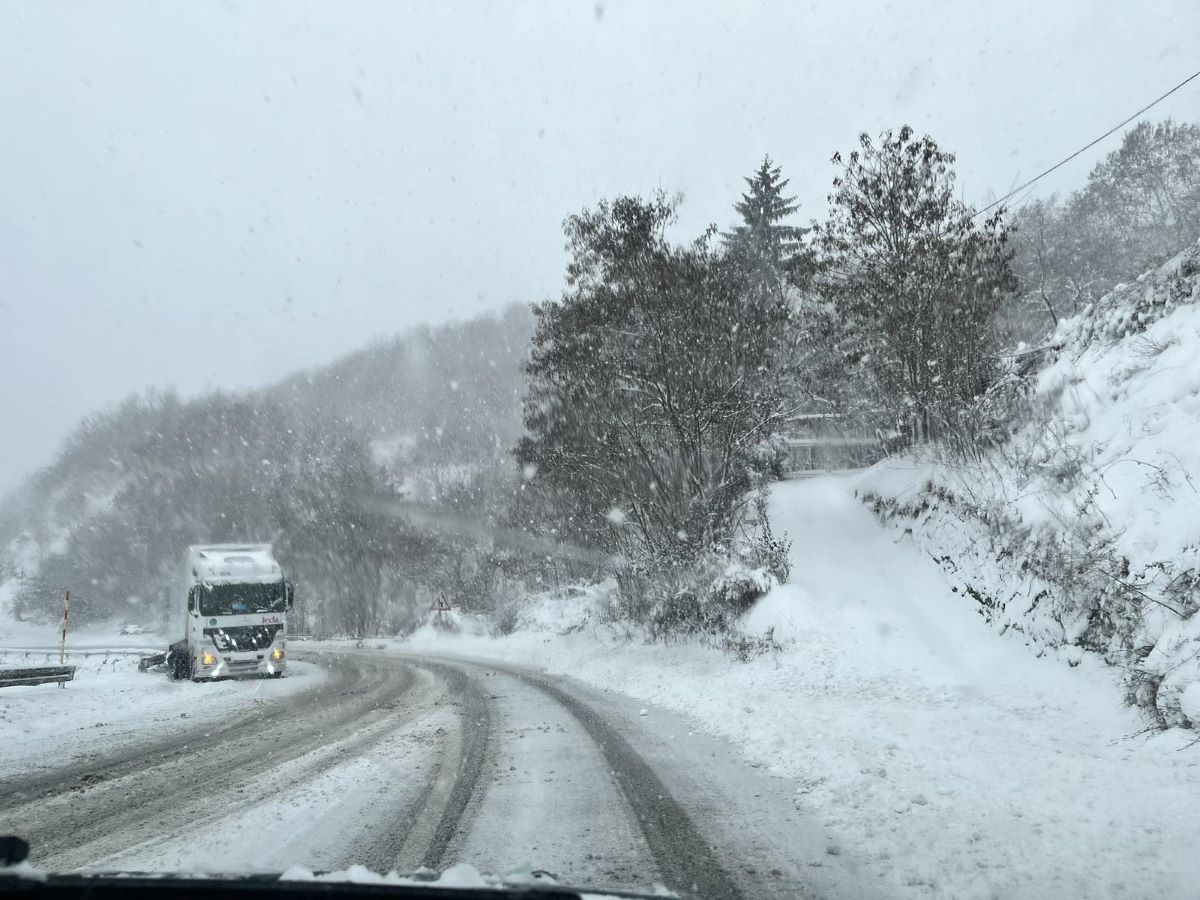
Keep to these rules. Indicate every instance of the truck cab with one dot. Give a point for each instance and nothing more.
(234, 614)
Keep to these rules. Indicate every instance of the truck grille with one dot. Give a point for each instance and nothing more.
(243, 637)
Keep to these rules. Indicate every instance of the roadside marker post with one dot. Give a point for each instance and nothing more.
(62, 647)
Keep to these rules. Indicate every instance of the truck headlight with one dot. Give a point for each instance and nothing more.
(277, 653)
(207, 659)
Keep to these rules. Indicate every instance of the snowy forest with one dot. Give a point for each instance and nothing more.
(627, 428)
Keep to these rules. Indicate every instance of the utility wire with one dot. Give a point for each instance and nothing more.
(1031, 181)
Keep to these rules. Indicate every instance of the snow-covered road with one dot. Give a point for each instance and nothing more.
(398, 762)
(947, 759)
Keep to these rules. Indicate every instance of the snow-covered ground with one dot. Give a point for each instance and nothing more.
(111, 705)
(952, 757)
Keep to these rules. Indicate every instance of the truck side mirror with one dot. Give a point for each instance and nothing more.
(191, 599)
(289, 592)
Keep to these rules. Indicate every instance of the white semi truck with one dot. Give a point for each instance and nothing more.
(233, 614)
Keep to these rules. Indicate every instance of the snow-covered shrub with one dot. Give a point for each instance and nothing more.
(701, 604)
(705, 598)
(1171, 672)
(995, 414)
(765, 550)
(677, 614)
(768, 459)
(737, 588)
(746, 647)
(506, 618)
(638, 591)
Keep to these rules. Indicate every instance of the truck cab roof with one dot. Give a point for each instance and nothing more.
(243, 563)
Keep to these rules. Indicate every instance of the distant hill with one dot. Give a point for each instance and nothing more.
(453, 392)
(291, 463)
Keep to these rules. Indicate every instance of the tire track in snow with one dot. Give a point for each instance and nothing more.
(472, 752)
(424, 830)
(113, 764)
(152, 795)
(681, 852)
(157, 792)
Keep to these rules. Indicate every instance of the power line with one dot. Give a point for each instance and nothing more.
(1031, 181)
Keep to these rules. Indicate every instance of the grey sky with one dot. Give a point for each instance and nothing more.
(207, 194)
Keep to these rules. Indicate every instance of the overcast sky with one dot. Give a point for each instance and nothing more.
(203, 194)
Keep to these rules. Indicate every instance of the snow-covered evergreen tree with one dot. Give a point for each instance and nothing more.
(772, 250)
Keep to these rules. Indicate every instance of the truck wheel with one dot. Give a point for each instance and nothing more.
(276, 674)
(179, 666)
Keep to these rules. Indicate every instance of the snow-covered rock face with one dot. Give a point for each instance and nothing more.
(1083, 528)
(1131, 308)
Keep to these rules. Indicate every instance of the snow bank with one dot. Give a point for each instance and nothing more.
(1082, 528)
(949, 757)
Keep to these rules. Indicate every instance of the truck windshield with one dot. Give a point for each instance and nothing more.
(238, 599)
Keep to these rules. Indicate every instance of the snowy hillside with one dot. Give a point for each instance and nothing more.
(942, 759)
(427, 414)
(1081, 529)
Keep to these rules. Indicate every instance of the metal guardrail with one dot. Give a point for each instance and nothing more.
(830, 454)
(849, 441)
(84, 651)
(20, 658)
(36, 675)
